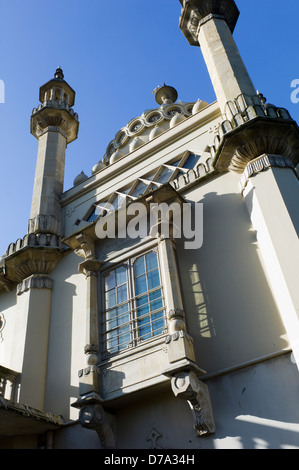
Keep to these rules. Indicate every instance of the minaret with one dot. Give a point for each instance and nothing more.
(55, 125)
(259, 141)
(210, 24)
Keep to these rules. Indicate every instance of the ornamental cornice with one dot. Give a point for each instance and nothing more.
(34, 254)
(251, 128)
(197, 12)
(47, 117)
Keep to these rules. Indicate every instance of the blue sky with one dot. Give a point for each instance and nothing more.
(113, 54)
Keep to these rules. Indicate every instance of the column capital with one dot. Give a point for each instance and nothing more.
(263, 163)
(37, 281)
(196, 12)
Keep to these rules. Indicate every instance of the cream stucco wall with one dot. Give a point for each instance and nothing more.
(66, 337)
(230, 308)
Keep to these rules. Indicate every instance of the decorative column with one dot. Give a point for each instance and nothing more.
(183, 370)
(89, 380)
(180, 344)
(92, 414)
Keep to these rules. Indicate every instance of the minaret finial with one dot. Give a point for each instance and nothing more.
(59, 73)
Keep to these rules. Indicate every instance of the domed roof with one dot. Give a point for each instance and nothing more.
(80, 178)
(151, 123)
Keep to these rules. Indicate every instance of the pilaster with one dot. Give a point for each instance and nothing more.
(92, 415)
(34, 306)
(270, 188)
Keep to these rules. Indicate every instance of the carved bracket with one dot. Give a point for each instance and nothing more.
(93, 416)
(87, 247)
(187, 386)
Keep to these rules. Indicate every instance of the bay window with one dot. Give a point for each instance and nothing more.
(134, 309)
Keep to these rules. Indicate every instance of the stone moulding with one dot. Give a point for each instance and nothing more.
(34, 282)
(263, 163)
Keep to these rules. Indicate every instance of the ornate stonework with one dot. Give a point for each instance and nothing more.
(195, 12)
(186, 385)
(34, 282)
(250, 129)
(263, 163)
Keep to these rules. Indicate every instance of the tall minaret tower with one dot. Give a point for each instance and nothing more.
(55, 125)
(210, 24)
(259, 141)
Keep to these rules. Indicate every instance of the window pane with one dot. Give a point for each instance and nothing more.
(158, 327)
(111, 317)
(144, 328)
(124, 336)
(165, 175)
(110, 281)
(110, 298)
(139, 267)
(143, 310)
(112, 342)
(140, 284)
(123, 314)
(142, 300)
(151, 260)
(153, 279)
(156, 304)
(155, 295)
(121, 275)
(191, 161)
(140, 189)
(122, 293)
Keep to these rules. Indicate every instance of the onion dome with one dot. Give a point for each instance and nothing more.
(80, 178)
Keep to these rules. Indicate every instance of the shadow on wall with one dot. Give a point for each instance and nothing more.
(230, 309)
(254, 407)
(65, 325)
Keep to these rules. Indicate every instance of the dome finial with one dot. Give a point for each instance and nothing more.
(59, 73)
(165, 94)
